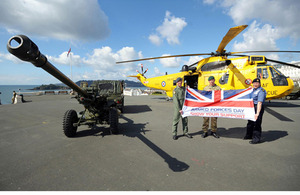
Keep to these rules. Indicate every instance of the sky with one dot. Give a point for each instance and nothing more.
(102, 32)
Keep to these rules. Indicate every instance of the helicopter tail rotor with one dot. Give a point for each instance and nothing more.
(142, 70)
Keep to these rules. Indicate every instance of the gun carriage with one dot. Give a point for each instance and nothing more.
(102, 100)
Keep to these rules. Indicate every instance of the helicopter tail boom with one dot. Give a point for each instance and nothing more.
(140, 77)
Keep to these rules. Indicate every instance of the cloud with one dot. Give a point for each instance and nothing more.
(100, 63)
(170, 62)
(63, 59)
(103, 61)
(193, 60)
(169, 30)
(59, 19)
(280, 13)
(155, 39)
(209, 1)
(157, 71)
(10, 57)
(177, 62)
(269, 20)
(256, 37)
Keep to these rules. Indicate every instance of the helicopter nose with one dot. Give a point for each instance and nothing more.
(291, 86)
(291, 83)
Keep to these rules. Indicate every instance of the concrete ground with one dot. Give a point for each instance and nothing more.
(35, 154)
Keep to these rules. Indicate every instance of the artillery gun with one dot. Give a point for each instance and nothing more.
(102, 100)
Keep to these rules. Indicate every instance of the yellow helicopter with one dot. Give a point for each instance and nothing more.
(229, 73)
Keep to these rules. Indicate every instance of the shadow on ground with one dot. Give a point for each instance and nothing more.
(136, 130)
(280, 104)
(133, 130)
(277, 115)
(133, 109)
(239, 133)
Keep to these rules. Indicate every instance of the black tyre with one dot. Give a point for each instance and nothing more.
(69, 119)
(114, 120)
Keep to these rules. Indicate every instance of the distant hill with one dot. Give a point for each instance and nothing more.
(51, 87)
(63, 86)
(127, 82)
(133, 84)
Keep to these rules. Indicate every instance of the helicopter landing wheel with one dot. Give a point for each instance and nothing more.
(69, 120)
(113, 120)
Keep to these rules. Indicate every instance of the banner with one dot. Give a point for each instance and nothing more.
(222, 103)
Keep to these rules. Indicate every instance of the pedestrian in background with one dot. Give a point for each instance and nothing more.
(13, 99)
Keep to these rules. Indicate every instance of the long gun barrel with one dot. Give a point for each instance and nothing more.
(27, 50)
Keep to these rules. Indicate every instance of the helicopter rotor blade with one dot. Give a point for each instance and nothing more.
(238, 55)
(284, 63)
(263, 52)
(161, 57)
(233, 32)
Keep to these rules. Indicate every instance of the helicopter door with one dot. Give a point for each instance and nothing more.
(191, 81)
(262, 73)
(259, 75)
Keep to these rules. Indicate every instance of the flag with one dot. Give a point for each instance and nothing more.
(222, 103)
(69, 52)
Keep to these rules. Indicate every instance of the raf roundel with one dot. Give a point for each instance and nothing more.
(248, 81)
(163, 84)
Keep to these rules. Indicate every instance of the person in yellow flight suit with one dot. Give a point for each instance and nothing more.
(178, 100)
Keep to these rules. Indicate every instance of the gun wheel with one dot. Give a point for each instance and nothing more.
(114, 120)
(68, 123)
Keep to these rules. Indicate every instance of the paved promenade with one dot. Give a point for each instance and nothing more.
(35, 154)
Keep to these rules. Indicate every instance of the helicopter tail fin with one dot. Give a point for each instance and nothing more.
(136, 76)
(139, 76)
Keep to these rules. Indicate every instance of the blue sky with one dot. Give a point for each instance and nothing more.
(105, 31)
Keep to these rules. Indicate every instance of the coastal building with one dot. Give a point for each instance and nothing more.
(293, 73)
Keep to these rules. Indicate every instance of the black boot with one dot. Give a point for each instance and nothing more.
(188, 135)
(204, 135)
(215, 134)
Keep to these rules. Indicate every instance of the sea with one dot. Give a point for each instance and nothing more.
(7, 91)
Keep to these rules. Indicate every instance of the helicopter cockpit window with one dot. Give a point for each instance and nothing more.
(224, 79)
(278, 78)
(277, 71)
(265, 73)
(273, 73)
